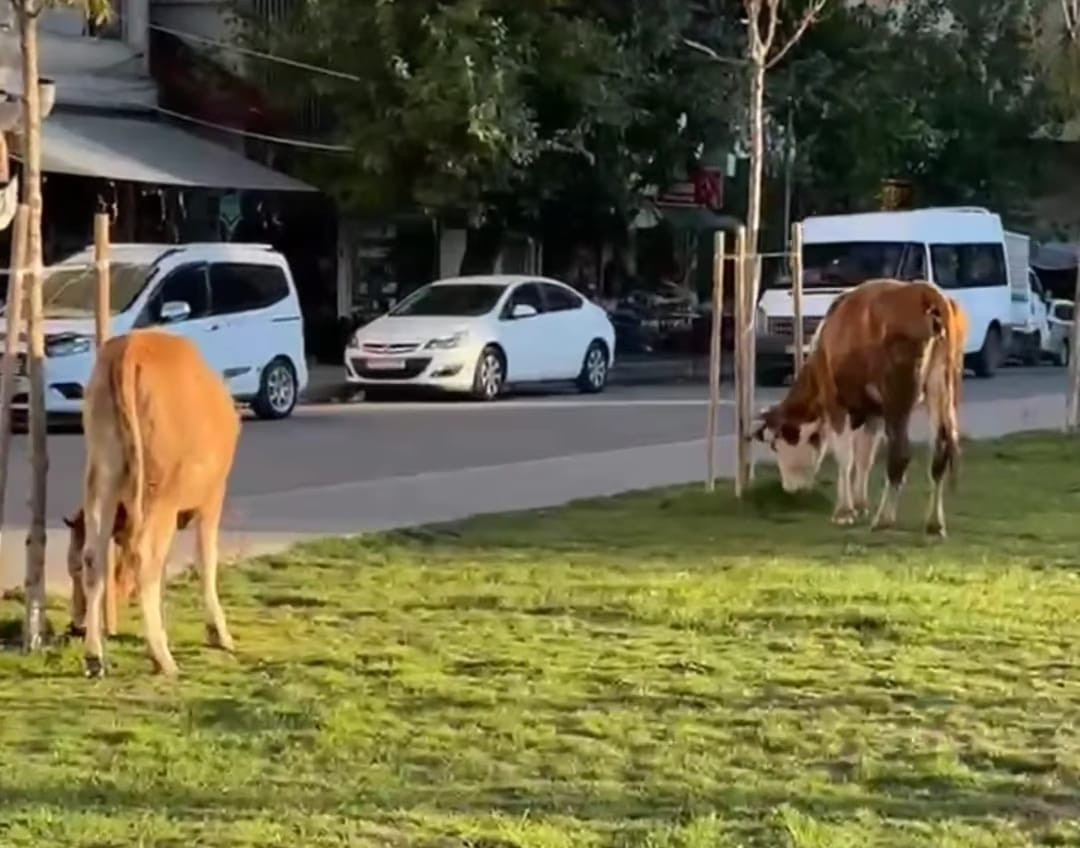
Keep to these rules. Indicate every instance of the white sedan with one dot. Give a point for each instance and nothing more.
(475, 335)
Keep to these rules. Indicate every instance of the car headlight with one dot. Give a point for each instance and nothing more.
(68, 345)
(446, 342)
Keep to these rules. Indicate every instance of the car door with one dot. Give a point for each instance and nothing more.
(243, 296)
(186, 284)
(523, 337)
(566, 330)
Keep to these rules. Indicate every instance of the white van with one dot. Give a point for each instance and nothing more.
(237, 302)
(962, 250)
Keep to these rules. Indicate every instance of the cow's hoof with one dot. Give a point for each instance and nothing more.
(844, 518)
(935, 530)
(168, 670)
(219, 641)
(94, 667)
(74, 632)
(881, 524)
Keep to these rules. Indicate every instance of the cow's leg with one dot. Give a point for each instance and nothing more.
(899, 457)
(152, 545)
(99, 508)
(217, 631)
(77, 628)
(867, 439)
(843, 450)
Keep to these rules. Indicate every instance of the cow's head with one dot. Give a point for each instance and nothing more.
(76, 524)
(797, 440)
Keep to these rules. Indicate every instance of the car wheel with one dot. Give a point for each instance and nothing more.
(1063, 354)
(490, 377)
(988, 359)
(594, 369)
(277, 395)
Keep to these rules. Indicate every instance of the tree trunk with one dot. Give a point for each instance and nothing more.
(39, 460)
(753, 228)
(482, 247)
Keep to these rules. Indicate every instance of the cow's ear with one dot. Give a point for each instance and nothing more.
(757, 434)
(70, 522)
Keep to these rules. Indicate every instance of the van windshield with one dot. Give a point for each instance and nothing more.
(70, 291)
(849, 263)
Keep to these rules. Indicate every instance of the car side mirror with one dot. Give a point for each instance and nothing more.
(523, 310)
(174, 310)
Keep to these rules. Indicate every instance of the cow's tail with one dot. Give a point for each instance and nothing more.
(944, 392)
(127, 416)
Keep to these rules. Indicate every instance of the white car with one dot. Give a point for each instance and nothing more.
(237, 302)
(475, 335)
(1060, 319)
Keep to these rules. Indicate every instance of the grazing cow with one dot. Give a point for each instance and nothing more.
(883, 348)
(125, 578)
(161, 433)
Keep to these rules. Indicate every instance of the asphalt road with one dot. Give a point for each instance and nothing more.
(339, 444)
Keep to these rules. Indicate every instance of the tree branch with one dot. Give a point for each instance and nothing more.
(808, 18)
(770, 33)
(712, 54)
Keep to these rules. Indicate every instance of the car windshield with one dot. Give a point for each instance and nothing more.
(847, 264)
(70, 291)
(464, 300)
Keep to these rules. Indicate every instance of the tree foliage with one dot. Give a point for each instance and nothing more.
(945, 93)
(500, 108)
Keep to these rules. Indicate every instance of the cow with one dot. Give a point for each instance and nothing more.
(883, 348)
(125, 579)
(161, 434)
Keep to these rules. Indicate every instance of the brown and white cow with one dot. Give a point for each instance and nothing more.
(161, 433)
(883, 348)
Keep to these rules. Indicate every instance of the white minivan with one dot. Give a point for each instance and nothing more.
(962, 250)
(237, 302)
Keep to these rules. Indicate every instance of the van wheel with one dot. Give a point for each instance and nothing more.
(277, 391)
(988, 359)
(1063, 354)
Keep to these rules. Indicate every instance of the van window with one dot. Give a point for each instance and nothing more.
(186, 284)
(913, 266)
(968, 266)
(240, 287)
(848, 263)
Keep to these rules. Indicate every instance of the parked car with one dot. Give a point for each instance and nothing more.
(1060, 319)
(237, 302)
(476, 335)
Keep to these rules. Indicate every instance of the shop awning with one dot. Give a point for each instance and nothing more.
(148, 151)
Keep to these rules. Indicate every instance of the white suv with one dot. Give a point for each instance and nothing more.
(237, 302)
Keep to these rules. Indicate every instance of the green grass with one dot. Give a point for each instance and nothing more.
(664, 669)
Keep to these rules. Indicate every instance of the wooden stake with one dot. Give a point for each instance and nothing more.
(34, 583)
(742, 363)
(13, 321)
(714, 360)
(1072, 414)
(797, 293)
(101, 266)
(102, 321)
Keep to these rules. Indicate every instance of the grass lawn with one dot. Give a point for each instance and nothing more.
(663, 669)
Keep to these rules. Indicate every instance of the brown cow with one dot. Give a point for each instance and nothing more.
(883, 348)
(161, 434)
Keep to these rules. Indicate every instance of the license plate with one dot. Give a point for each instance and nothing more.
(386, 364)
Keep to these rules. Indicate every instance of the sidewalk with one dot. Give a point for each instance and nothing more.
(326, 383)
(266, 523)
